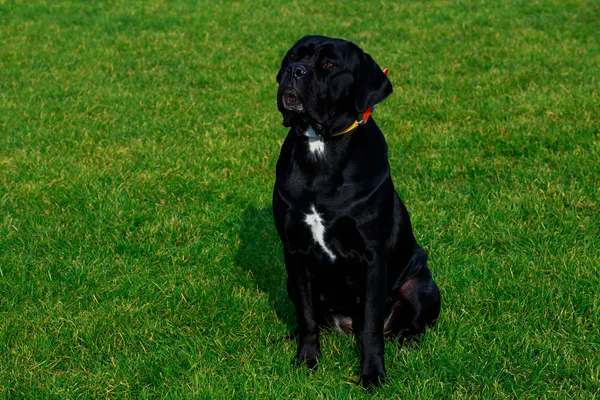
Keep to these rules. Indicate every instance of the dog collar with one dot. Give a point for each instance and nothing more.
(363, 120)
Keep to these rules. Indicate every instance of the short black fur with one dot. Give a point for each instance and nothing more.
(377, 283)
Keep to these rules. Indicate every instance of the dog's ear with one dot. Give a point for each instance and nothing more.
(279, 73)
(282, 66)
(372, 85)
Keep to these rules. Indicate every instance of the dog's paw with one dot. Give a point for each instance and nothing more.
(309, 356)
(372, 376)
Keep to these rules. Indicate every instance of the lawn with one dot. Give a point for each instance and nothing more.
(138, 141)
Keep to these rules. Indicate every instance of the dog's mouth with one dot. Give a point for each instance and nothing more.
(291, 100)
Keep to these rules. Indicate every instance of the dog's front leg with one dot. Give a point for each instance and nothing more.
(372, 371)
(300, 289)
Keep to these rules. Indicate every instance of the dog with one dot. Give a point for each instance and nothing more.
(352, 260)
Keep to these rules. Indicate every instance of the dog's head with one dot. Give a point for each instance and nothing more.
(326, 83)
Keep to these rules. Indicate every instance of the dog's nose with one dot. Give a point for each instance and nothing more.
(297, 71)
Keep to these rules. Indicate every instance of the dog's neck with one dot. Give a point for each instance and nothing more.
(316, 142)
(313, 136)
(321, 148)
(363, 118)
(329, 158)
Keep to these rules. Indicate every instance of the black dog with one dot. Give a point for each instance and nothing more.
(350, 254)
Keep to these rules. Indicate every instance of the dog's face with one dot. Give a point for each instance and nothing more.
(326, 83)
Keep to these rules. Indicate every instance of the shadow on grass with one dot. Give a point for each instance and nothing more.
(260, 254)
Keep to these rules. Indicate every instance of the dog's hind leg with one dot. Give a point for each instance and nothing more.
(415, 302)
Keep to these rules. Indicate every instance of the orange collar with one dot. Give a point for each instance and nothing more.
(357, 123)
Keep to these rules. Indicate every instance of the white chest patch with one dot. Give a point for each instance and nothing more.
(315, 222)
(315, 142)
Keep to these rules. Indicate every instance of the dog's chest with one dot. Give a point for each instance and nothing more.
(316, 224)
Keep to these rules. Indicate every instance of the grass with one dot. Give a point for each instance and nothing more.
(138, 143)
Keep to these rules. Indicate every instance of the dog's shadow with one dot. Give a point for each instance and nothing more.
(260, 255)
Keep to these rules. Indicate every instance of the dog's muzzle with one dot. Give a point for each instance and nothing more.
(291, 100)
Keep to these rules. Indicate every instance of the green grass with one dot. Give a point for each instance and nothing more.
(138, 143)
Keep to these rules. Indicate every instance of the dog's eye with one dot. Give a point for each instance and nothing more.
(330, 65)
(292, 56)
